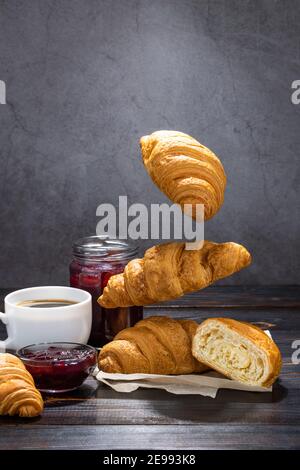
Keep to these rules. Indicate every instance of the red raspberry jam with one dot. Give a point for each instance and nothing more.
(95, 260)
(58, 367)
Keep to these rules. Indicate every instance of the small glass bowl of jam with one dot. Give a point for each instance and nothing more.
(58, 367)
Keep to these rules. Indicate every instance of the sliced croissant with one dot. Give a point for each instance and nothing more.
(185, 170)
(18, 395)
(238, 350)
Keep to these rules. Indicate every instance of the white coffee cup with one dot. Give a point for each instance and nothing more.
(26, 325)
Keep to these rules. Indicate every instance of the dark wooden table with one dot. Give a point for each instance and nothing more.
(95, 417)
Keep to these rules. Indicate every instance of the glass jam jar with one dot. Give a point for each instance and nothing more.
(95, 260)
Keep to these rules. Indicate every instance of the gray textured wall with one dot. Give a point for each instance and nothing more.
(85, 79)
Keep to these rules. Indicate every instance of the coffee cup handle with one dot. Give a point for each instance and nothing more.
(4, 344)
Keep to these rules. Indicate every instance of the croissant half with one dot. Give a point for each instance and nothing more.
(168, 271)
(185, 170)
(156, 345)
(238, 350)
(18, 395)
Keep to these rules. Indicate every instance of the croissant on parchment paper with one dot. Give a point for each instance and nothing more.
(156, 345)
(238, 350)
(168, 271)
(18, 395)
(185, 170)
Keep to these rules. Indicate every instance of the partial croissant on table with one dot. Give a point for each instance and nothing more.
(185, 170)
(18, 395)
(239, 350)
(168, 271)
(156, 345)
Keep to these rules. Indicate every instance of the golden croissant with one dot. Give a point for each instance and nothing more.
(156, 345)
(238, 350)
(185, 170)
(168, 271)
(18, 395)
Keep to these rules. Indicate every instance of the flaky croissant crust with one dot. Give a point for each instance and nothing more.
(18, 394)
(156, 345)
(168, 271)
(185, 170)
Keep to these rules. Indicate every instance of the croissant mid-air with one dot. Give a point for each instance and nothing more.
(185, 170)
(168, 271)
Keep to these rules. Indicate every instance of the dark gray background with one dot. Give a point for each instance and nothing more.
(86, 79)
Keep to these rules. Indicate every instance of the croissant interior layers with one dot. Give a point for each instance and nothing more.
(237, 350)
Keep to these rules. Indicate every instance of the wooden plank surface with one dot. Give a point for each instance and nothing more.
(239, 296)
(164, 437)
(95, 417)
(231, 296)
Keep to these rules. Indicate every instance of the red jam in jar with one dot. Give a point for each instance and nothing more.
(95, 260)
(58, 367)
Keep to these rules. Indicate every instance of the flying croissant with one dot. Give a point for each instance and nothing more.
(168, 271)
(185, 170)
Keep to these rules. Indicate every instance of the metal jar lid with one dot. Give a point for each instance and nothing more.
(102, 248)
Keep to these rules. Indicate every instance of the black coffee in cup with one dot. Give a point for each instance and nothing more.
(46, 303)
